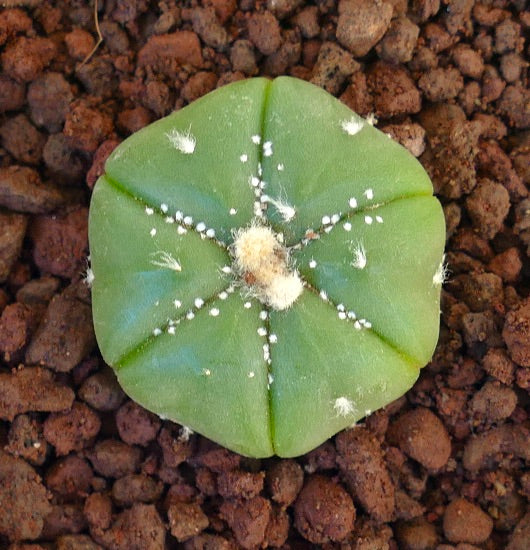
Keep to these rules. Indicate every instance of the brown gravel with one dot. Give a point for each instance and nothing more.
(81, 466)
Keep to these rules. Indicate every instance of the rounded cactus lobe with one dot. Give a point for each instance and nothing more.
(198, 160)
(209, 375)
(355, 214)
(137, 286)
(327, 374)
(324, 155)
(384, 271)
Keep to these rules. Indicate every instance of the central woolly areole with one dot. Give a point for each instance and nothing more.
(262, 262)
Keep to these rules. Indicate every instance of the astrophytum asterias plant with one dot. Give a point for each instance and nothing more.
(266, 267)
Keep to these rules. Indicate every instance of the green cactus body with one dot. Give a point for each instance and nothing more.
(267, 350)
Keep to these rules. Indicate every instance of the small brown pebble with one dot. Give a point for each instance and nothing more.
(86, 127)
(132, 120)
(133, 488)
(23, 500)
(102, 391)
(13, 21)
(167, 52)
(65, 335)
(421, 435)
(79, 44)
(497, 364)
(198, 85)
(399, 41)
(362, 23)
(285, 479)
(76, 542)
(307, 21)
(468, 61)
(208, 27)
(248, 520)
(408, 134)
(521, 535)
(25, 58)
(32, 389)
(516, 333)
(243, 58)
(361, 463)
(416, 534)
(98, 510)
(323, 511)
(240, 484)
(12, 232)
(278, 528)
(507, 265)
(49, 98)
(72, 430)
(22, 139)
(465, 522)
(332, 67)
(69, 477)
(25, 439)
(186, 520)
(112, 458)
(139, 527)
(136, 425)
(441, 84)
(12, 94)
(176, 447)
(264, 32)
(488, 206)
(493, 402)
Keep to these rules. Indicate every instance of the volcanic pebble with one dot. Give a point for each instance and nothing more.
(248, 519)
(102, 391)
(240, 484)
(24, 58)
(493, 402)
(186, 520)
(362, 465)
(323, 511)
(516, 334)
(112, 458)
(22, 139)
(136, 425)
(284, 481)
(466, 522)
(133, 488)
(23, 499)
(422, 436)
(69, 477)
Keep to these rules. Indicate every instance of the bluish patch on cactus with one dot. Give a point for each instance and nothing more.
(266, 267)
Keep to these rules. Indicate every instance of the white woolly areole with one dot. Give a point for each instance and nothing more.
(262, 263)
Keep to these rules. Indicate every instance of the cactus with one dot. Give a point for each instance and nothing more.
(267, 267)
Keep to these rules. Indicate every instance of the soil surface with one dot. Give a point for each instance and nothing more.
(81, 466)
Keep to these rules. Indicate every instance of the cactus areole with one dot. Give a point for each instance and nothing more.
(267, 267)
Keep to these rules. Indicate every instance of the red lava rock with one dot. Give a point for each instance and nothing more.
(416, 533)
(516, 334)
(449, 157)
(217, 459)
(468, 61)
(484, 448)
(176, 447)
(17, 324)
(441, 84)
(12, 232)
(512, 105)
(38, 291)
(243, 58)
(497, 364)
(508, 36)
(247, 519)
(69, 477)
(239, 484)
(421, 435)
(186, 520)
(286, 56)
(488, 206)
(356, 95)
(23, 500)
(277, 529)
(32, 389)
(208, 27)
(466, 522)
(521, 535)
(165, 53)
(507, 265)
(86, 128)
(25, 440)
(12, 22)
(409, 134)
(323, 511)
(399, 41)
(112, 458)
(79, 43)
(457, 19)
(72, 430)
(198, 85)
(437, 38)
(136, 488)
(65, 335)
(98, 510)
(25, 58)
(307, 21)
(114, 36)
(136, 425)
(102, 391)
(512, 65)
(21, 189)
(393, 90)
(22, 139)
(49, 98)
(332, 67)
(61, 243)
(98, 77)
(284, 481)
(362, 466)
(65, 165)
(493, 402)
(12, 94)
(264, 32)
(98, 162)
(139, 527)
(362, 23)
(132, 120)
(76, 542)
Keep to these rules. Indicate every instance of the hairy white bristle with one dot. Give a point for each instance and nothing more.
(359, 257)
(286, 211)
(369, 194)
(166, 260)
(149, 211)
(256, 139)
(243, 158)
(152, 232)
(343, 406)
(441, 273)
(182, 141)
(347, 226)
(352, 126)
